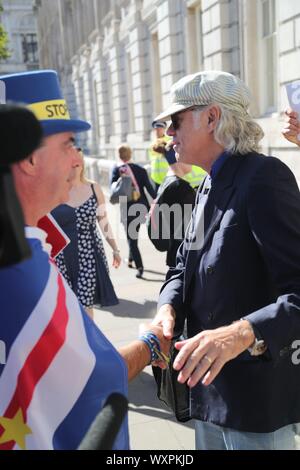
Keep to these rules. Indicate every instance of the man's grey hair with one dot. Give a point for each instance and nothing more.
(236, 132)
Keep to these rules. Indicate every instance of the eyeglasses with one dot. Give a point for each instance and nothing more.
(175, 118)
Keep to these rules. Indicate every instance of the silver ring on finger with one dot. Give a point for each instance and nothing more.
(208, 359)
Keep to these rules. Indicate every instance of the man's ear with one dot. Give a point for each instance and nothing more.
(29, 165)
(214, 115)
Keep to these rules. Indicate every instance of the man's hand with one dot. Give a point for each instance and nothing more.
(291, 130)
(204, 355)
(165, 317)
(164, 342)
(159, 146)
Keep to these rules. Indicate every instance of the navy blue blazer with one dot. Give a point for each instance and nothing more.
(248, 266)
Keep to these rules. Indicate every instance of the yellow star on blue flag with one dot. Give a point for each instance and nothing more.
(15, 429)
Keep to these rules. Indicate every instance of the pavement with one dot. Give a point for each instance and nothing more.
(151, 424)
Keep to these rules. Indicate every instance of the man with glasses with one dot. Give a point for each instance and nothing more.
(237, 278)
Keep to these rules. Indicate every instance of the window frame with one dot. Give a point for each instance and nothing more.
(266, 36)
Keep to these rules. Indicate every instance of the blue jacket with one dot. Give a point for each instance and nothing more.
(248, 266)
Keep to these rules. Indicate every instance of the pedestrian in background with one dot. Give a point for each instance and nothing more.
(159, 165)
(83, 262)
(131, 218)
(172, 208)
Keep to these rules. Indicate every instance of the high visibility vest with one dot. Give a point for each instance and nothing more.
(159, 165)
(195, 177)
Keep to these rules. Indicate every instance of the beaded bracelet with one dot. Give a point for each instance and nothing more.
(152, 342)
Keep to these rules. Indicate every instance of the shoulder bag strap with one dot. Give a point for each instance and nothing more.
(133, 179)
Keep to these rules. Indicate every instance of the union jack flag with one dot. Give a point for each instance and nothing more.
(60, 368)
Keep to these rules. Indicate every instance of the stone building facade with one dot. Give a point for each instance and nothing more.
(19, 21)
(118, 59)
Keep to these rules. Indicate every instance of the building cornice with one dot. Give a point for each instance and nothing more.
(94, 36)
(107, 19)
(111, 34)
(75, 60)
(149, 16)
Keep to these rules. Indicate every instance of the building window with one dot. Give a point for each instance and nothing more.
(30, 48)
(269, 55)
(195, 39)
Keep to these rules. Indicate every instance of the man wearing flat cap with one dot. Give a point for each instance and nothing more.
(237, 278)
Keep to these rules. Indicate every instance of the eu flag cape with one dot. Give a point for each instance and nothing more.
(58, 367)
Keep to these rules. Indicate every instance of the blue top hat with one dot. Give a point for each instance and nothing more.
(40, 92)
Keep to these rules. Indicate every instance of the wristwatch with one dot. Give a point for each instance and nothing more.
(259, 346)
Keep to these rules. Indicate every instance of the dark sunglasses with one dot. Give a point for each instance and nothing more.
(175, 118)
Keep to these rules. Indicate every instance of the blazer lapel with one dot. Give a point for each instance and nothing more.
(222, 190)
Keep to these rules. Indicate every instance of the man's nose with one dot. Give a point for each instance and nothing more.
(77, 160)
(170, 130)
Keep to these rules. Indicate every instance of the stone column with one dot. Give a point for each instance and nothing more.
(221, 35)
(99, 79)
(288, 45)
(138, 50)
(78, 90)
(69, 90)
(114, 52)
(170, 22)
(250, 52)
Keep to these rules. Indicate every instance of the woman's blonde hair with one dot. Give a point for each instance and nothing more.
(82, 176)
(125, 152)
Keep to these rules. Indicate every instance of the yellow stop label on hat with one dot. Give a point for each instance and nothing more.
(52, 109)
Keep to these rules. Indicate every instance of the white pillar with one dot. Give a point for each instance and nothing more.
(170, 22)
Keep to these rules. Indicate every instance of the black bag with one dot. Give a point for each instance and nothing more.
(156, 223)
(174, 394)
